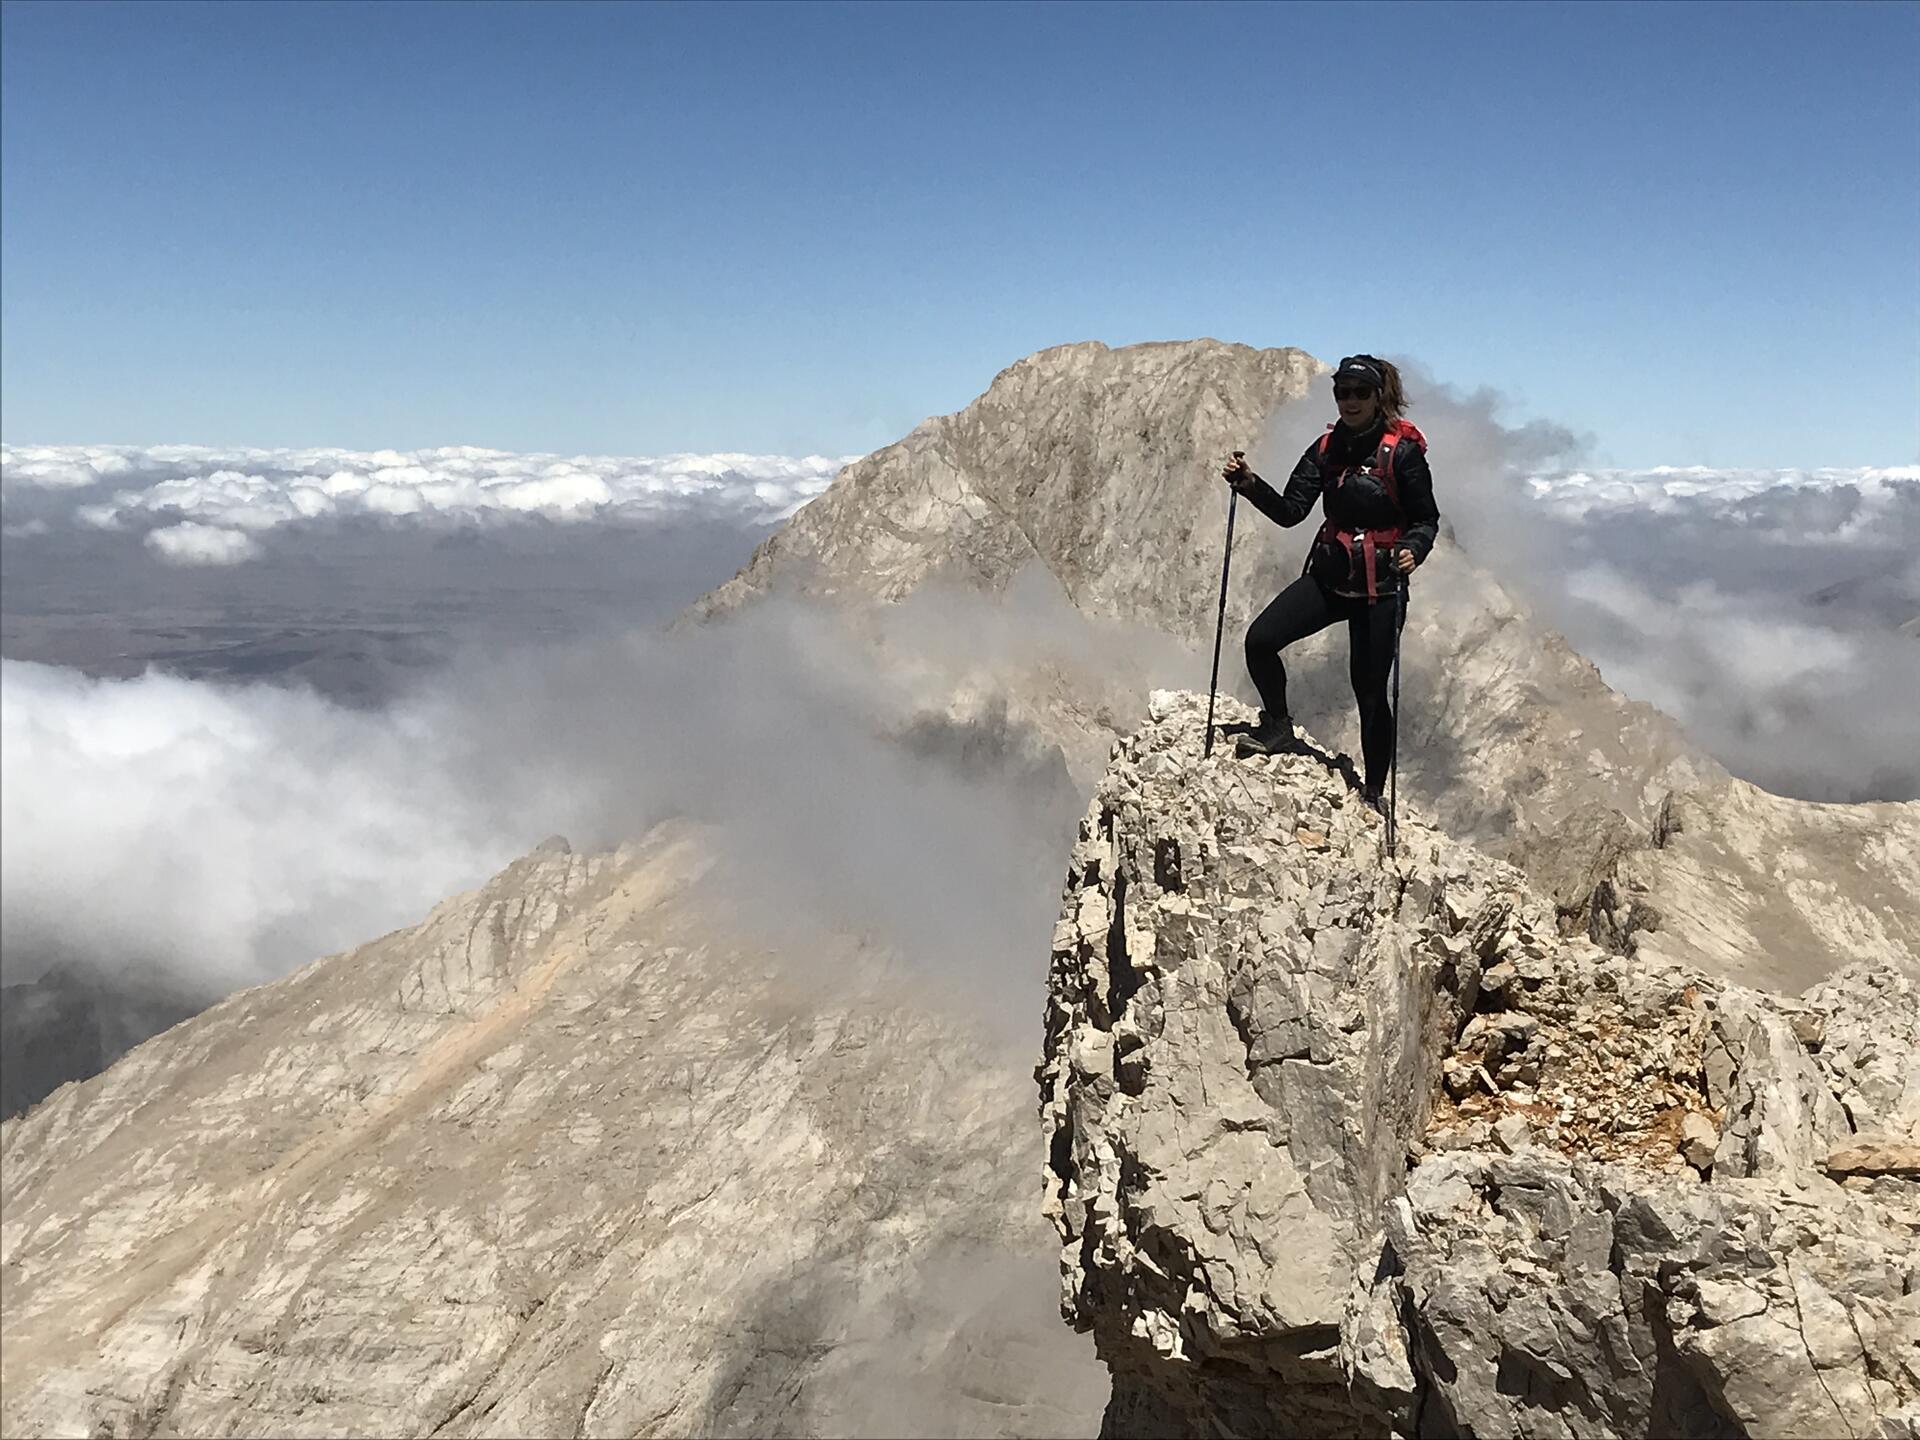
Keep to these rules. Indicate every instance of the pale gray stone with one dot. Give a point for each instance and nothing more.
(1551, 1262)
(1698, 1140)
(566, 1158)
(1513, 1134)
(1721, 1303)
(1874, 1157)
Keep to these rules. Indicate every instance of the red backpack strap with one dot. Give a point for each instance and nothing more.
(1397, 430)
(1383, 464)
(1320, 450)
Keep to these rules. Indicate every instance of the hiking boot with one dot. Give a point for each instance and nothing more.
(1269, 737)
(1375, 802)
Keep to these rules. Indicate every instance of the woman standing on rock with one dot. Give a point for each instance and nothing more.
(1370, 468)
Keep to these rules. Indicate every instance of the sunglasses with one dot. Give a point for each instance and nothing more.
(1352, 392)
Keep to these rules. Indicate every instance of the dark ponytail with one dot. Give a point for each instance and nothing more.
(1393, 396)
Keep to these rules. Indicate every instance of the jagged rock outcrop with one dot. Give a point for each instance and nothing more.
(1348, 1145)
(1100, 467)
(1091, 461)
(572, 1157)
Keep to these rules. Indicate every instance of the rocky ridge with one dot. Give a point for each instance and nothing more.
(1099, 467)
(1343, 1145)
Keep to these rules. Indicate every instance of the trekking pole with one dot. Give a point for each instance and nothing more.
(1393, 756)
(1220, 626)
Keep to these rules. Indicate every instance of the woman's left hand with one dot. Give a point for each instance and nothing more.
(1403, 560)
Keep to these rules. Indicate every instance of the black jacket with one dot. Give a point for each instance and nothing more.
(1418, 514)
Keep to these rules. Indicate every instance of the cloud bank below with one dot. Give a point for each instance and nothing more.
(205, 506)
(224, 833)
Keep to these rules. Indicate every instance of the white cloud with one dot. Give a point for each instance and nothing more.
(263, 490)
(191, 544)
(1752, 654)
(225, 833)
(1575, 494)
(61, 467)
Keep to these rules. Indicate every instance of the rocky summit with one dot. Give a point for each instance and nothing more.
(1099, 467)
(1345, 1144)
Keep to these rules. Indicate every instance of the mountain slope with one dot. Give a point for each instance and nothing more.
(1087, 459)
(563, 1159)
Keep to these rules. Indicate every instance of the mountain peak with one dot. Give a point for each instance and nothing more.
(1098, 463)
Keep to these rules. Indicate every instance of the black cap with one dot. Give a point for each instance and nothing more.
(1363, 370)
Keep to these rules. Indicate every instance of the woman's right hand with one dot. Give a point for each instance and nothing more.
(1236, 473)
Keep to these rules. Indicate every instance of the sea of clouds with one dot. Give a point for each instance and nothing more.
(197, 505)
(1669, 489)
(1775, 614)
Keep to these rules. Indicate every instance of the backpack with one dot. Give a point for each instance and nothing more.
(1352, 560)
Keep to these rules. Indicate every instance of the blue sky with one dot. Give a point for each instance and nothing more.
(1687, 230)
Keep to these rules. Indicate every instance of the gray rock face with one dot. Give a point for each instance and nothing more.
(1765, 889)
(1344, 1145)
(1099, 464)
(564, 1159)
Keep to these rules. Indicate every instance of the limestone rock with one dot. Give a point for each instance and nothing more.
(1512, 1133)
(1698, 1140)
(1279, 1214)
(1875, 1157)
(569, 1158)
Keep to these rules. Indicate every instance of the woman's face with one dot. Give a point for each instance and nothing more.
(1359, 405)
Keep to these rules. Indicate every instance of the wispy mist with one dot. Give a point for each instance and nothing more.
(220, 834)
(859, 781)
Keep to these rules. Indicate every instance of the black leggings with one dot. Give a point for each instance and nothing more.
(1305, 608)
